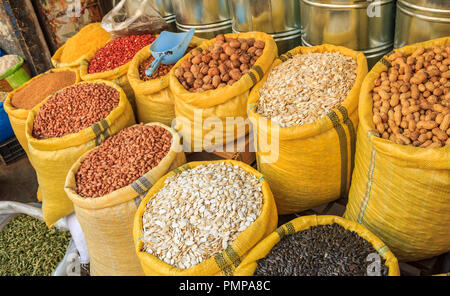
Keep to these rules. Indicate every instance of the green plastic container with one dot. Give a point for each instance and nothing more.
(16, 76)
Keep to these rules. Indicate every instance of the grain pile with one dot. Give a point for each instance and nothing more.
(122, 159)
(306, 87)
(323, 250)
(200, 212)
(73, 109)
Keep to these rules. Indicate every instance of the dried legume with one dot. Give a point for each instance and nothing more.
(73, 109)
(160, 72)
(222, 63)
(411, 100)
(40, 88)
(118, 52)
(323, 250)
(306, 87)
(122, 159)
(200, 212)
(28, 247)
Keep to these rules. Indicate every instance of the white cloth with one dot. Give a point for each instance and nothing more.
(78, 237)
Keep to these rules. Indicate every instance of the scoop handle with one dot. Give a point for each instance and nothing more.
(153, 66)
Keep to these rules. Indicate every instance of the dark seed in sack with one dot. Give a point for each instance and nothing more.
(323, 250)
(122, 159)
(28, 247)
(73, 109)
(160, 72)
(118, 52)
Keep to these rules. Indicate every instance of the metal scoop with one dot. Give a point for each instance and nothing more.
(168, 48)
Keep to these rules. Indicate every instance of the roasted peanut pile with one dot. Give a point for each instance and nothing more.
(411, 100)
(220, 64)
(306, 87)
(73, 109)
(200, 212)
(122, 159)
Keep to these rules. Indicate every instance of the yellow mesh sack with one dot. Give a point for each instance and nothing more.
(91, 37)
(228, 101)
(18, 117)
(154, 100)
(314, 162)
(107, 221)
(52, 158)
(400, 193)
(262, 249)
(222, 263)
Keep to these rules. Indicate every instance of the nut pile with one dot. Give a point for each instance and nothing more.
(306, 87)
(160, 72)
(323, 250)
(28, 247)
(73, 109)
(41, 87)
(118, 52)
(122, 159)
(200, 212)
(220, 64)
(411, 100)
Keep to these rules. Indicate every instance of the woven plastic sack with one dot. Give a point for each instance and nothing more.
(90, 38)
(400, 193)
(52, 158)
(154, 99)
(117, 75)
(222, 263)
(314, 161)
(229, 101)
(18, 117)
(262, 249)
(107, 221)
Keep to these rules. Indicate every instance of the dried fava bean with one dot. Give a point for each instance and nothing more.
(322, 250)
(200, 212)
(28, 247)
(122, 159)
(422, 110)
(227, 57)
(306, 87)
(118, 52)
(73, 109)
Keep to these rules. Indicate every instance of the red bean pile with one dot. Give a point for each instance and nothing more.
(122, 159)
(118, 52)
(73, 109)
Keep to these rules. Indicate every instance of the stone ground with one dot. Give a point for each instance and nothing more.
(18, 183)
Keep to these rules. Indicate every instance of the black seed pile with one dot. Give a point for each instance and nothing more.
(323, 250)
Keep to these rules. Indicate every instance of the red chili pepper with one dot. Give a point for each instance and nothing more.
(118, 52)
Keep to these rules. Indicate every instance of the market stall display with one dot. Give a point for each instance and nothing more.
(399, 191)
(319, 246)
(304, 147)
(154, 99)
(280, 19)
(359, 25)
(20, 101)
(222, 209)
(211, 80)
(106, 185)
(60, 129)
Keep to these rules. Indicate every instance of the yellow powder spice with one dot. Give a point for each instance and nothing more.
(91, 37)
